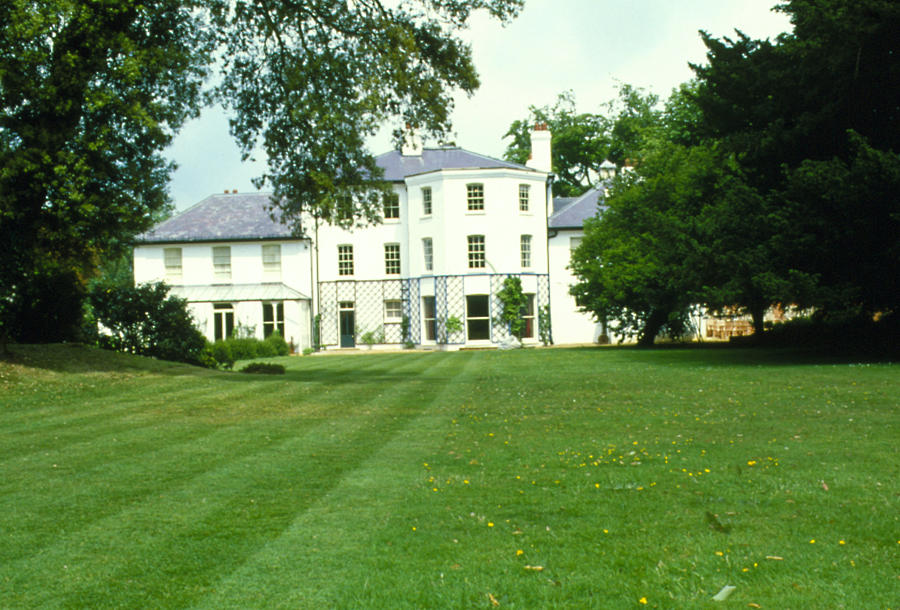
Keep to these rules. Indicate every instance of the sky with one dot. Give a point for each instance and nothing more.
(584, 46)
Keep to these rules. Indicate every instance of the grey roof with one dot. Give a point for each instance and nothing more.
(561, 202)
(221, 218)
(573, 214)
(397, 166)
(237, 292)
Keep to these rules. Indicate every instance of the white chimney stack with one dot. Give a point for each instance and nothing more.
(412, 144)
(541, 159)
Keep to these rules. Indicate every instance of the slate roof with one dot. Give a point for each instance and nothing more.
(397, 167)
(237, 292)
(572, 215)
(228, 217)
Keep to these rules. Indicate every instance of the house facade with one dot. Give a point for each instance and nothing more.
(457, 225)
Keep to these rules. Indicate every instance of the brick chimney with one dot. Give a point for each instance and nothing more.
(541, 159)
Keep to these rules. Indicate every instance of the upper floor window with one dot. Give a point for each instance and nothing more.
(392, 205)
(271, 258)
(428, 251)
(524, 200)
(476, 252)
(526, 250)
(273, 319)
(475, 197)
(392, 259)
(222, 262)
(426, 200)
(172, 258)
(574, 242)
(345, 260)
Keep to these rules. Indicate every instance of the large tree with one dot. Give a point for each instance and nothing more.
(814, 118)
(92, 90)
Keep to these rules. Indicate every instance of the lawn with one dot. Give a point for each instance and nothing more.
(557, 478)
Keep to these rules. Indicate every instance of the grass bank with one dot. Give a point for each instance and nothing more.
(558, 478)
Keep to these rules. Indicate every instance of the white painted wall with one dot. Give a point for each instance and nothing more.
(569, 325)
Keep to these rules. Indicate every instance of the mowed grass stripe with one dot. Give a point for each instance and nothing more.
(278, 476)
(305, 566)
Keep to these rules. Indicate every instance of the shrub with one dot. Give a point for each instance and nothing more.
(145, 320)
(221, 351)
(278, 344)
(264, 368)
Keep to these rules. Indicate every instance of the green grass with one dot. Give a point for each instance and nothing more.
(631, 478)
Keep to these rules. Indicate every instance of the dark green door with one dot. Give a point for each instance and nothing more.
(348, 328)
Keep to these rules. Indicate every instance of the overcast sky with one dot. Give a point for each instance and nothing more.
(586, 46)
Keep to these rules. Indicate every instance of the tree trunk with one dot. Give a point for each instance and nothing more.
(758, 313)
(654, 323)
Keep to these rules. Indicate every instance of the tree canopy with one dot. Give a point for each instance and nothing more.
(91, 92)
(772, 178)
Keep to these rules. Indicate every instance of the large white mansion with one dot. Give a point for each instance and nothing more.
(459, 224)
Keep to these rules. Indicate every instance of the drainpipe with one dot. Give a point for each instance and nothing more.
(547, 208)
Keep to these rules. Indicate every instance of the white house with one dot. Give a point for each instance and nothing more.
(458, 225)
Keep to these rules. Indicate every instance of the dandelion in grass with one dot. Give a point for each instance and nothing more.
(643, 600)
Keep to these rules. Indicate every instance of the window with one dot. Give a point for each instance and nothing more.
(393, 310)
(426, 200)
(222, 262)
(392, 259)
(428, 251)
(475, 197)
(478, 317)
(273, 318)
(476, 252)
(223, 320)
(345, 260)
(429, 318)
(528, 317)
(574, 242)
(526, 250)
(172, 257)
(392, 205)
(271, 257)
(523, 197)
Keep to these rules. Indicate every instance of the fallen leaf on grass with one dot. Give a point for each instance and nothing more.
(723, 594)
(824, 485)
(493, 599)
(752, 605)
(774, 557)
(535, 568)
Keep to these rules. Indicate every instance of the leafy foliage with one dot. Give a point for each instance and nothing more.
(264, 368)
(512, 306)
(581, 142)
(145, 320)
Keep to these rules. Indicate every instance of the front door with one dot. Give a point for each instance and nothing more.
(348, 325)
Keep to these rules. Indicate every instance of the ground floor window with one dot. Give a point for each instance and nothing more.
(273, 318)
(478, 317)
(429, 318)
(393, 310)
(528, 317)
(223, 320)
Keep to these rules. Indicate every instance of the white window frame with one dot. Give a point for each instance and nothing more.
(524, 197)
(427, 201)
(525, 251)
(345, 259)
(173, 262)
(392, 259)
(393, 310)
(271, 260)
(477, 252)
(428, 253)
(276, 308)
(392, 206)
(221, 257)
(429, 321)
(475, 197)
(470, 319)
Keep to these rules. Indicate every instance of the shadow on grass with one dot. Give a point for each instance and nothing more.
(726, 354)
